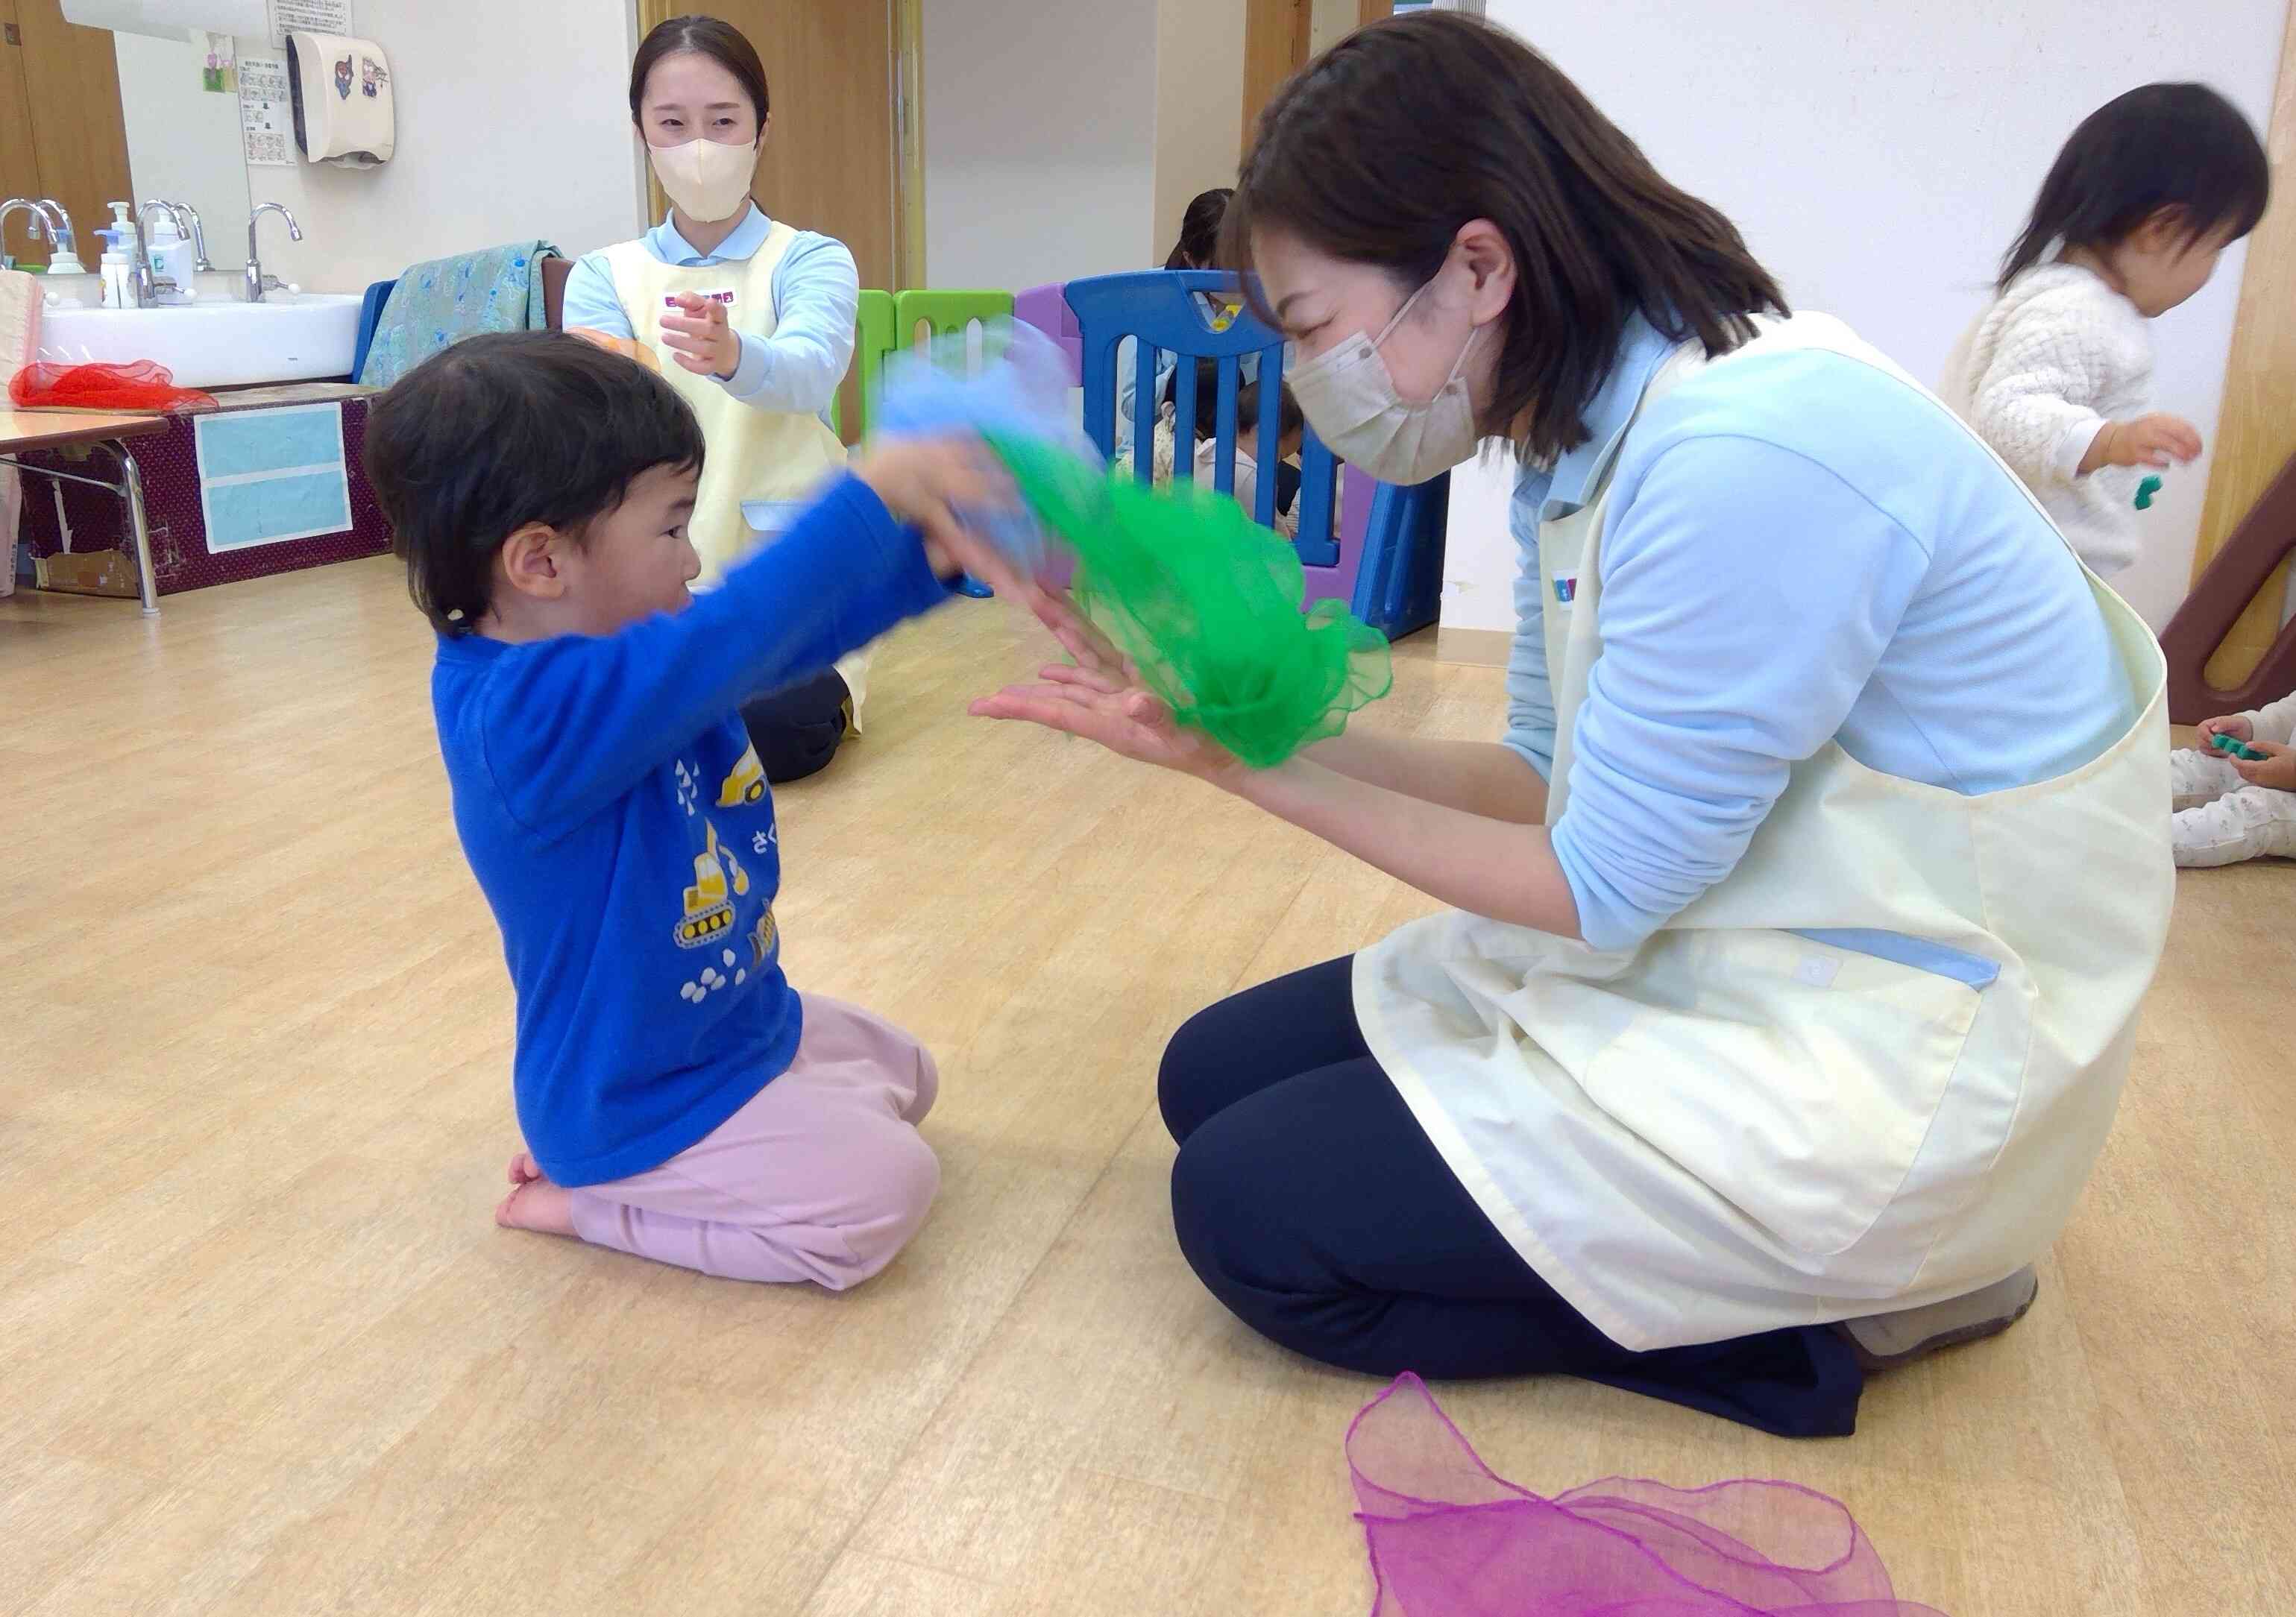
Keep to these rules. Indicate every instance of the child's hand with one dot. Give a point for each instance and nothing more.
(697, 336)
(2235, 726)
(923, 482)
(2277, 772)
(2149, 440)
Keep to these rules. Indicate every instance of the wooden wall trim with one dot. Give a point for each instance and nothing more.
(2256, 430)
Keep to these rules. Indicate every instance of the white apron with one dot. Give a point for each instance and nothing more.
(1738, 1127)
(758, 457)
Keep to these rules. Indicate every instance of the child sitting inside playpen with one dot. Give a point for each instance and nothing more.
(1291, 425)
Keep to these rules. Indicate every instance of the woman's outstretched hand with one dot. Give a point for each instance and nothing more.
(698, 337)
(1102, 699)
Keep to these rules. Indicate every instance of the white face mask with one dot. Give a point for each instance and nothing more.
(1350, 400)
(708, 179)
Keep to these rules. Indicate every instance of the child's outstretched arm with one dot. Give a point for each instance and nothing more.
(574, 723)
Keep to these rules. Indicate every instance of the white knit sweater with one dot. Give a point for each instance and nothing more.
(2275, 722)
(2058, 355)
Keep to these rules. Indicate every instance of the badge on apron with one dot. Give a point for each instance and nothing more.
(1566, 588)
(723, 294)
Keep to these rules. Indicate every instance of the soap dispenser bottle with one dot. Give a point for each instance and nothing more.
(173, 257)
(117, 266)
(118, 292)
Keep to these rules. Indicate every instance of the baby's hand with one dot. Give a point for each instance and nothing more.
(2235, 726)
(2149, 440)
(2279, 770)
(924, 482)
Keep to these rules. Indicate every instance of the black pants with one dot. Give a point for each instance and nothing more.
(796, 731)
(1308, 1199)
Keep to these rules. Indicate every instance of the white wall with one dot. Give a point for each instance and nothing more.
(1039, 141)
(513, 121)
(182, 143)
(1199, 106)
(1879, 159)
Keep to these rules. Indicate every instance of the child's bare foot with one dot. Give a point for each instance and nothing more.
(534, 1202)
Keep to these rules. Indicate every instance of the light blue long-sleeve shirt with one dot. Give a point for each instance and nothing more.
(1798, 549)
(816, 290)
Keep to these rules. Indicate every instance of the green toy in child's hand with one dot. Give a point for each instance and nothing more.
(1206, 603)
(2144, 493)
(2238, 747)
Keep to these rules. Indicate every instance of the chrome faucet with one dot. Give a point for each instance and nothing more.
(199, 235)
(145, 286)
(68, 243)
(258, 282)
(48, 220)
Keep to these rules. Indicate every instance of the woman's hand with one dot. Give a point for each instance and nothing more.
(924, 482)
(2235, 726)
(698, 338)
(2278, 771)
(1123, 716)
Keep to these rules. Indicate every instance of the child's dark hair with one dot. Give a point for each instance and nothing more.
(503, 429)
(1365, 155)
(1200, 229)
(2179, 147)
(1288, 416)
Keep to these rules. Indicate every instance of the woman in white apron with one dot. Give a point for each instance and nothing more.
(750, 319)
(1801, 918)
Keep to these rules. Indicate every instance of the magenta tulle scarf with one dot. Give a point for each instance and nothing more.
(1448, 1537)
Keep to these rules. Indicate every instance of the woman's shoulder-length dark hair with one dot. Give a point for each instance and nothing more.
(1380, 150)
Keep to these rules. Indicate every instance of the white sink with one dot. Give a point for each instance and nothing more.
(291, 337)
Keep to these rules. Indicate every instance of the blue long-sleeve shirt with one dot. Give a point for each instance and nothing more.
(816, 290)
(615, 818)
(1798, 549)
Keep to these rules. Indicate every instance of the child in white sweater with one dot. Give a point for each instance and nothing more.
(2057, 374)
(2231, 809)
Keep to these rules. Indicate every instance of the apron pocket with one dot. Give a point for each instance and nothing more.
(1793, 1076)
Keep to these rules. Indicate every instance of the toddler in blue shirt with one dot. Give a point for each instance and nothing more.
(680, 1100)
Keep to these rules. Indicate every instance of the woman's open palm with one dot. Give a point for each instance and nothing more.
(1102, 699)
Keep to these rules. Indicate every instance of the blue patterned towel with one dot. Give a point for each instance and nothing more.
(437, 304)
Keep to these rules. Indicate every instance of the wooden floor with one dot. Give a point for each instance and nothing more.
(263, 1351)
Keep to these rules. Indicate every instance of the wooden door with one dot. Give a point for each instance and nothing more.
(829, 161)
(1276, 36)
(69, 84)
(20, 172)
(1275, 47)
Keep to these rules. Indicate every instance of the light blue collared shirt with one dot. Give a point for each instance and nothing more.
(816, 291)
(1800, 549)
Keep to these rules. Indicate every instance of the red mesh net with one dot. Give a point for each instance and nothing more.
(140, 385)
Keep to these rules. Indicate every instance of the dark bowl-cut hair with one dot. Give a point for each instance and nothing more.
(507, 428)
(1366, 155)
(711, 36)
(2178, 148)
(1288, 417)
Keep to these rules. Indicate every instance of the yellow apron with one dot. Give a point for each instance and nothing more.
(1733, 1129)
(756, 456)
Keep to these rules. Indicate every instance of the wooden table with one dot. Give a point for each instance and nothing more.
(27, 429)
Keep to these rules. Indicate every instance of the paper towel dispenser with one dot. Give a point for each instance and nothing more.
(339, 89)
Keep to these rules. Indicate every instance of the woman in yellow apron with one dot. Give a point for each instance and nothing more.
(1799, 924)
(750, 319)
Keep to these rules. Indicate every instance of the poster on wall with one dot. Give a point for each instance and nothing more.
(308, 17)
(267, 122)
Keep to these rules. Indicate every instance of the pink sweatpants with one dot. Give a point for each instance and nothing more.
(821, 1177)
